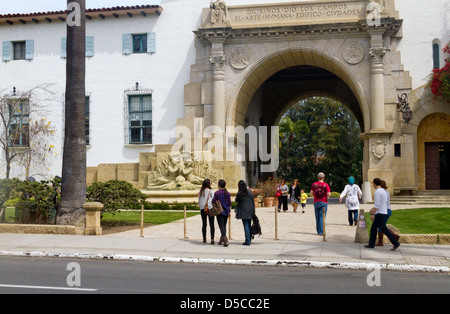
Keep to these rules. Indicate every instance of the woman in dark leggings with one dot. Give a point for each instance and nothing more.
(225, 200)
(205, 197)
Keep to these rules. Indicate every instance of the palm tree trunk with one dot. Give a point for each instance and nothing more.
(73, 181)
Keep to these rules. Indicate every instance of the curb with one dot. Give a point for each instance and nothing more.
(278, 263)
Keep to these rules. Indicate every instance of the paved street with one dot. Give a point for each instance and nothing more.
(43, 275)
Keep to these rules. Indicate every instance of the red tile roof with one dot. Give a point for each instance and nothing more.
(61, 15)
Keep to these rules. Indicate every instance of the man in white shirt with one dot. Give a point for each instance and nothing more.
(378, 215)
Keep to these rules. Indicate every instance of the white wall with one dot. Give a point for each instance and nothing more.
(109, 73)
(423, 21)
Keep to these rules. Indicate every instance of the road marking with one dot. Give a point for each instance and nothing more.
(46, 288)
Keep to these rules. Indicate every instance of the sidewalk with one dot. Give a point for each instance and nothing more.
(297, 245)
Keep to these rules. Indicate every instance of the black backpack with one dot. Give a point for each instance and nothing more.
(256, 227)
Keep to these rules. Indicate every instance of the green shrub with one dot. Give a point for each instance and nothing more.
(38, 201)
(115, 195)
(7, 188)
(335, 194)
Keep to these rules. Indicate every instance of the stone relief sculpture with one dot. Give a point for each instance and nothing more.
(379, 4)
(219, 12)
(239, 58)
(179, 171)
(353, 52)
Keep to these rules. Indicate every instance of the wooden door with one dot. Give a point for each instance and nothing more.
(432, 169)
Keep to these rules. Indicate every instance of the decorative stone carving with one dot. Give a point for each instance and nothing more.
(218, 62)
(383, 6)
(353, 52)
(219, 12)
(179, 171)
(240, 58)
(379, 149)
(377, 54)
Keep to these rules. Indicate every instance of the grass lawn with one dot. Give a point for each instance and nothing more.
(419, 221)
(150, 217)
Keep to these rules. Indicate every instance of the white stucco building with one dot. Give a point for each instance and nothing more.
(155, 46)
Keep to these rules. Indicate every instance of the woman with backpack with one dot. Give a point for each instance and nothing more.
(245, 209)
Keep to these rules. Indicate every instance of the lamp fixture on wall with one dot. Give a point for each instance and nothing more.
(403, 106)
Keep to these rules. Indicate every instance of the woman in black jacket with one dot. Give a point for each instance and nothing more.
(245, 209)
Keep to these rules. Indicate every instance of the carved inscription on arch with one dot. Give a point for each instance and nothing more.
(298, 13)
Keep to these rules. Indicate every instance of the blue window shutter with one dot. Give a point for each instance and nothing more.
(89, 46)
(64, 47)
(7, 48)
(127, 44)
(29, 47)
(151, 42)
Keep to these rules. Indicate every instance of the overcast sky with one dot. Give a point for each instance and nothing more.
(29, 6)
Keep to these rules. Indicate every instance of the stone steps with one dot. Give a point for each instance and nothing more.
(430, 198)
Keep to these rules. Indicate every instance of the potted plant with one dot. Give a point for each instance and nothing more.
(269, 189)
(256, 193)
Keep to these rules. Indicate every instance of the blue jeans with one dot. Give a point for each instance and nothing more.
(352, 216)
(247, 230)
(319, 219)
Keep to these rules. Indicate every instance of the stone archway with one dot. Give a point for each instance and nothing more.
(344, 86)
(238, 56)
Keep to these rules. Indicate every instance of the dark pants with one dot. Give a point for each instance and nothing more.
(352, 214)
(205, 219)
(222, 222)
(283, 199)
(380, 222)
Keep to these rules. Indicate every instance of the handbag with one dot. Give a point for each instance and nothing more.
(278, 194)
(217, 209)
(206, 209)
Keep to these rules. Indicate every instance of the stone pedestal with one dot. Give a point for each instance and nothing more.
(93, 211)
(362, 235)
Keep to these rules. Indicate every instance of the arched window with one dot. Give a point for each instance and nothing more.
(436, 55)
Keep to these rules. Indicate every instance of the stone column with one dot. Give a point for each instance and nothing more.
(377, 53)
(93, 211)
(217, 60)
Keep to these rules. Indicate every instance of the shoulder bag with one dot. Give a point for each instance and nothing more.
(217, 209)
(206, 209)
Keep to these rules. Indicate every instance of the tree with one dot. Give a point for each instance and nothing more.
(289, 130)
(73, 180)
(24, 134)
(332, 146)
